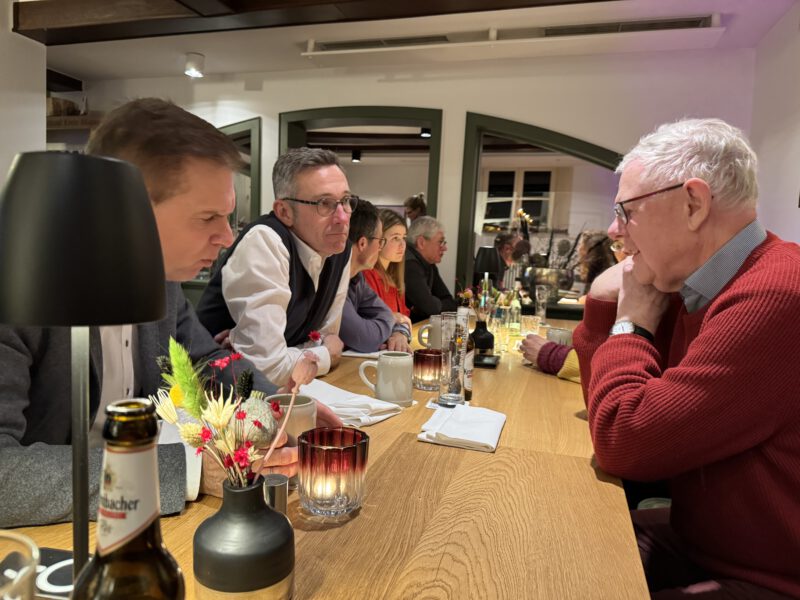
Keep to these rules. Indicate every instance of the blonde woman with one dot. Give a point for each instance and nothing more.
(387, 277)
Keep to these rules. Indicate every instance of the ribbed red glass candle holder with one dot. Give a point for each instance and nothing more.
(333, 463)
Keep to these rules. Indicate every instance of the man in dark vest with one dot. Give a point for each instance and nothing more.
(285, 278)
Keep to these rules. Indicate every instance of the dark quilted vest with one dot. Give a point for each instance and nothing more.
(307, 308)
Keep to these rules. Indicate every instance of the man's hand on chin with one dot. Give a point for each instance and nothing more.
(638, 303)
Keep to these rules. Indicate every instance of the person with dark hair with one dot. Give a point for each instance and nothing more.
(188, 168)
(387, 278)
(367, 323)
(595, 255)
(425, 291)
(286, 275)
(415, 207)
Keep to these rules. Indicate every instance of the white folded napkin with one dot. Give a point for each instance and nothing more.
(355, 354)
(470, 427)
(353, 409)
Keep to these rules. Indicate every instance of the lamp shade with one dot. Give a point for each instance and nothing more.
(487, 260)
(78, 243)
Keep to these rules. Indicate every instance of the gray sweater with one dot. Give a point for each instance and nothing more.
(35, 455)
(366, 320)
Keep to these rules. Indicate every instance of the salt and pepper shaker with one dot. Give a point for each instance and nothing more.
(276, 491)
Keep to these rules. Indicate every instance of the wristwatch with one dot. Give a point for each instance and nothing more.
(631, 327)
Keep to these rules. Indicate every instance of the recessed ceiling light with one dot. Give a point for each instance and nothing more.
(195, 63)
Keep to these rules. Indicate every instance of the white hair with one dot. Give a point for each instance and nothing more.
(708, 149)
(426, 227)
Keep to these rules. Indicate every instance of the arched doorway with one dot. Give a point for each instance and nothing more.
(476, 126)
(295, 124)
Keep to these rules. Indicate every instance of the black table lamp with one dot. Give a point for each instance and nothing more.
(487, 260)
(78, 247)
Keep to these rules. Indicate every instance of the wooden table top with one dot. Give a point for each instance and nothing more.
(535, 519)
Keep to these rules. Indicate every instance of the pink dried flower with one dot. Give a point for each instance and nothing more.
(258, 423)
(206, 434)
(315, 336)
(241, 415)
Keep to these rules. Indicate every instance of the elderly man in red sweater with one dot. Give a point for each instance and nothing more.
(688, 353)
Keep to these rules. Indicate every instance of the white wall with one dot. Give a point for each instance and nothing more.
(387, 184)
(593, 191)
(608, 100)
(776, 126)
(22, 92)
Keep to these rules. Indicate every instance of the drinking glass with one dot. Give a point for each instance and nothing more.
(503, 328)
(529, 324)
(333, 463)
(542, 296)
(19, 557)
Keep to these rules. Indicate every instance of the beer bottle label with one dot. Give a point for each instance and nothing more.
(469, 363)
(129, 500)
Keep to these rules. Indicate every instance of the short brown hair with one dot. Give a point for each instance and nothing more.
(158, 137)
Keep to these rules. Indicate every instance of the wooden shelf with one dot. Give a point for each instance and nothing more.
(73, 122)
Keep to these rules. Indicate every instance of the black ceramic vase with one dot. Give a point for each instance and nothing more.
(246, 546)
(483, 338)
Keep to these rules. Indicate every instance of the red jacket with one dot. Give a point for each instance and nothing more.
(714, 406)
(390, 295)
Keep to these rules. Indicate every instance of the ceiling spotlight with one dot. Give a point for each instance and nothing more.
(356, 156)
(195, 63)
(425, 132)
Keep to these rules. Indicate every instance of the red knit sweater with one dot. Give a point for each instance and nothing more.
(715, 407)
(389, 294)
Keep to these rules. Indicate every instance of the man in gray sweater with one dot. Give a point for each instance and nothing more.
(188, 169)
(368, 324)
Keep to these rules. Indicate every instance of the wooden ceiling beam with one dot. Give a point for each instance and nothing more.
(55, 22)
(208, 8)
(64, 14)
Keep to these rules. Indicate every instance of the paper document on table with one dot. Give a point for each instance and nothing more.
(355, 354)
(353, 409)
(469, 427)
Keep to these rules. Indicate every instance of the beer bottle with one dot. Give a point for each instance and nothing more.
(131, 560)
(469, 363)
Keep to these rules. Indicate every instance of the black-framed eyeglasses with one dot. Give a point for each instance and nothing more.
(381, 241)
(327, 206)
(619, 209)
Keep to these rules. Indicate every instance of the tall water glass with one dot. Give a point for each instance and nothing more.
(542, 296)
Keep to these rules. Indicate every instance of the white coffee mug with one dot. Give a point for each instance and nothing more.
(395, 377)
(303, 417)
(434, 329)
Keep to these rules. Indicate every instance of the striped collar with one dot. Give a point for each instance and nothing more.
(705, 283)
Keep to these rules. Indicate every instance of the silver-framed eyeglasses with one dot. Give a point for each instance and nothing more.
(620, 212)
(327, 206)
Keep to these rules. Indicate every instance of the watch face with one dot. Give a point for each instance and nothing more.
(622, 327)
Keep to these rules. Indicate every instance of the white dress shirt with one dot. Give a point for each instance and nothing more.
(117, 343)
(255, 285)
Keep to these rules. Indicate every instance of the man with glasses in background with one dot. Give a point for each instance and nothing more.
(426, 293)
(286, 275)
(688, 353)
